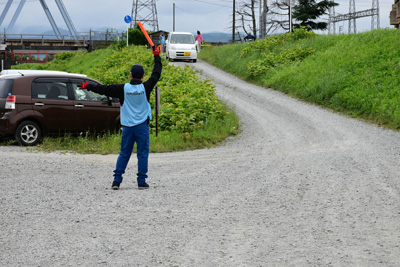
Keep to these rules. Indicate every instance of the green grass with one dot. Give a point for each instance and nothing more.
(356, 74)
(210, 134)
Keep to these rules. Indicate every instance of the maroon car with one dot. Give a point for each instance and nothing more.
(39, 103)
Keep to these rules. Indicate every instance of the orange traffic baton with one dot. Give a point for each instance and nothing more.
(145, 34)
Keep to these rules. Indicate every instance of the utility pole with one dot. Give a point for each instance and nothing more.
(264, 19)
(290, 15)
(260, 23)
(233, 22)
(173, 18)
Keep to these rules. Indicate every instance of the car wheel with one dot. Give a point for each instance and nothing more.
(28, 133)
(194, 60)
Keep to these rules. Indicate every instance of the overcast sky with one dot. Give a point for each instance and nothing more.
(190, 15)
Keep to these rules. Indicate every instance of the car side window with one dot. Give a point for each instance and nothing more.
(46, 88)
(85, 95)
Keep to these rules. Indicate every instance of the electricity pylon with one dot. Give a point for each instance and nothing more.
(145, 11)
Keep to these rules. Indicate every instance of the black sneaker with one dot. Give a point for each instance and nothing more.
(115, 185)
(143, 186)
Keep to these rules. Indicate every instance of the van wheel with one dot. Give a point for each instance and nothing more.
(28, 133)
(194, 60)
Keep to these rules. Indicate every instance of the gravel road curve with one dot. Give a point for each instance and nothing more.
(300, 186)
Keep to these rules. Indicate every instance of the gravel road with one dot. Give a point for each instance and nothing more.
(300, 186)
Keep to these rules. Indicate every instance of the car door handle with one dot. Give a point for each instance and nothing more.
(79, 106)
(39, 104)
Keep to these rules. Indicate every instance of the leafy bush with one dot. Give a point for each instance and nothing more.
(270, 60)
(268, 53)
(274, 42)
(187, 102)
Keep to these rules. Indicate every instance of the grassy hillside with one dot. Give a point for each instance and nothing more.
(357, 74)
(191, 115)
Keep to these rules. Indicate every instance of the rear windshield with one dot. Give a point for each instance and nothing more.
(182, 39)
(6, 87)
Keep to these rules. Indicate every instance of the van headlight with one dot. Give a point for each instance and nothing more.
(172, 47)
(193, 48)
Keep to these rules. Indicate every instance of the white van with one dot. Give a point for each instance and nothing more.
(181, 45)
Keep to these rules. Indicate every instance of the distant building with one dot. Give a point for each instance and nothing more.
(395, 14)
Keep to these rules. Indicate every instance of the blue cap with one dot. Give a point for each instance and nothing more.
(137, 71)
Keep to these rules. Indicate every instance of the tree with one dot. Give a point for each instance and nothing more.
(248, 17)
(307, 11)
(278, 15)
(136, 36)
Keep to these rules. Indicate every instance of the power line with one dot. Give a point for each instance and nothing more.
(202, 1)
(199, 12)
(206, 2)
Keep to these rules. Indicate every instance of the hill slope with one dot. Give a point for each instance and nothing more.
(354, 74)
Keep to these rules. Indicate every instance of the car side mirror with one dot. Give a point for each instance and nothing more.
(196, 43)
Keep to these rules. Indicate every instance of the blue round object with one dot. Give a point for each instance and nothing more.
(128, 19)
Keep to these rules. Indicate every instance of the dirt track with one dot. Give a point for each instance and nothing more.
(300, 186)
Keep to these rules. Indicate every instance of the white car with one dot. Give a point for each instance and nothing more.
(181, 45)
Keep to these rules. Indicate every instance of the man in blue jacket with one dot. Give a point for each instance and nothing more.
(135, 116)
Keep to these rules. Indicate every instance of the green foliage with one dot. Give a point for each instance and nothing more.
(270, 60)
(268, 53)
(213, 132)
(187, 102)
(274, 42)
(355, 74)
(136, 37)
(191, 115)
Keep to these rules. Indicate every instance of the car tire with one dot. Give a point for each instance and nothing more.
(194, 60)
(28, 133)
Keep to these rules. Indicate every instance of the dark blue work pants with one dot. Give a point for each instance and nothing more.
(130, 135)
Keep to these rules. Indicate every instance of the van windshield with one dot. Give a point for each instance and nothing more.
(182, 39)
(6, 87)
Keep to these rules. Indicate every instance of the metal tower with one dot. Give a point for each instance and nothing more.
(60, 5)
(331, 23)
(375, 21)
(145, 11)
(353, 15)
(352, 18)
